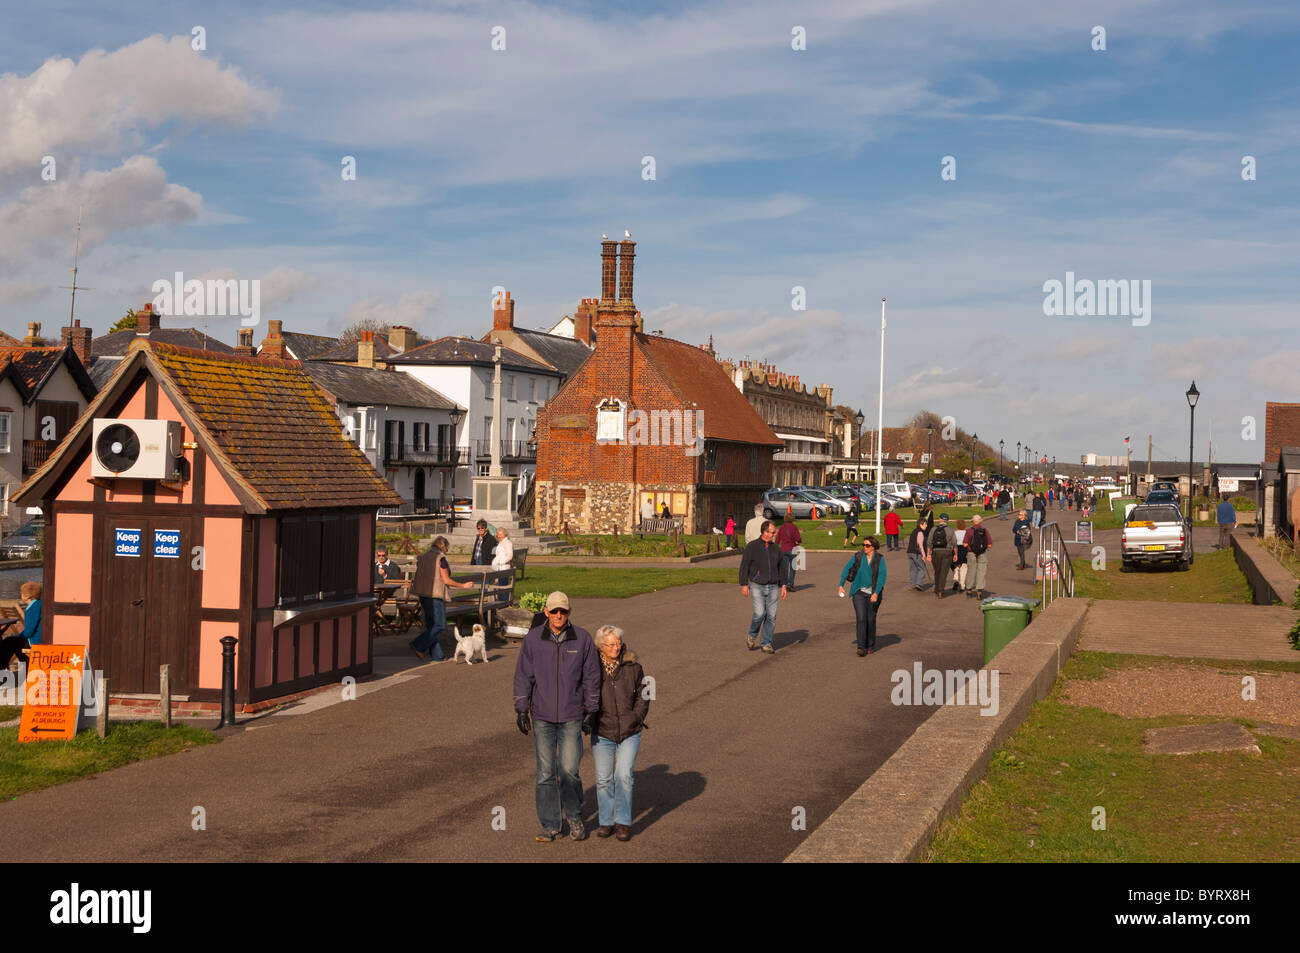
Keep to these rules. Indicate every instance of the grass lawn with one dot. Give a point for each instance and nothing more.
(1037, 802)
(1214, 577)
(43, 764)
(605, 583)
(8, 712)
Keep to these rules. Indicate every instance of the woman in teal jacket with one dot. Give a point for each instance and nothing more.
(866, 588)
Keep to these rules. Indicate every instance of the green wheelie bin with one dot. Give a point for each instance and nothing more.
(1004, 618)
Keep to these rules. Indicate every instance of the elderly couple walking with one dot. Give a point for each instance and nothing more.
(568, 684)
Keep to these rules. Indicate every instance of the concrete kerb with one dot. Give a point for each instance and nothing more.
(894, 814)
(1268, 578)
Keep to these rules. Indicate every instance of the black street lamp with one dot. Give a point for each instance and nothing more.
(1018, 454)
(974, 442)
(1001, 465)
(1193, 395)
(930, 456)
(860, 419)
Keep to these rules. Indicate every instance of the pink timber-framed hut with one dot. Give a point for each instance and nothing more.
(264, 531)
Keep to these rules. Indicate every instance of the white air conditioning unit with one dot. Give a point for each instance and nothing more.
(136, 449)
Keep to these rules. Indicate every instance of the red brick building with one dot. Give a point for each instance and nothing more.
(646, 421)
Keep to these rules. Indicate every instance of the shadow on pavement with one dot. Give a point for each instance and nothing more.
(781, 640)
(656, 791)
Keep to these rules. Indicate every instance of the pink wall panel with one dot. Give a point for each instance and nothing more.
(284, 655)
(72, 556)
(325, 652)
(79, 487)
(210, 636)
(222, 570)
(262, 657)
(216, 491)
(265, 561)
(345, 642)
(306, 655)
(362, 629)
(73, 630)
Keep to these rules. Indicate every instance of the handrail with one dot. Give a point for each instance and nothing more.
(1060, 582)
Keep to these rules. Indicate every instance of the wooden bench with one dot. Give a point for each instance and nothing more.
(661, 527)
(495, 590)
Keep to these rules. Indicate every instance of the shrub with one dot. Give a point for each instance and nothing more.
(1240, 503)
(532, 601)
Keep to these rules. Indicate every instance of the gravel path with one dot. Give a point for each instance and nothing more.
(1190, 690)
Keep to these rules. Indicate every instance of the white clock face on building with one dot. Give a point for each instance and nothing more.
(610, 421)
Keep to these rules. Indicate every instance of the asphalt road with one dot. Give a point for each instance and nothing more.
(737, 742)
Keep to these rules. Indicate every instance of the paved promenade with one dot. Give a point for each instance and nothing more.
(739, 746)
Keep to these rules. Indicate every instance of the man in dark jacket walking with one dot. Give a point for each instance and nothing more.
(557, 694)
(762, 578)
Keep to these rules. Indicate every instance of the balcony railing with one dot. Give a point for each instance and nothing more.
(35, 453)
(511, 450)
(413, 456)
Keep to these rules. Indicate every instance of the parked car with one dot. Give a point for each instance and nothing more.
(461, 508)
(1161, 496)
(830, 504)
(23, 543)
(775, 503)
(941, 491)
(1155, 533)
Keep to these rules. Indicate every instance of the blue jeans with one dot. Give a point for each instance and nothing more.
(559, 752)
(1004, 509)
(764, 599)
(866, 610)
(1036, 517)
(614, 763)
(787, 569)
(435, 620)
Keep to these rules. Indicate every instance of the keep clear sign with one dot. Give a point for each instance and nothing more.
(52, 694)
(126, 542)
(167, 542)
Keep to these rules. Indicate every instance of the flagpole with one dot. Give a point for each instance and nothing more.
(880, 422)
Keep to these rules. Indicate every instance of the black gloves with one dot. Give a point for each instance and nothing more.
(589, 723)
(523, 721)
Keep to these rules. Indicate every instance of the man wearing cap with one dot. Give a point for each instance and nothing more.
(941, 554)
(557, 696)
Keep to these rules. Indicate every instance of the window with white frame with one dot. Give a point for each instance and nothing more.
(532, 388)
(372, 421)
(5, 420)
(510, 387)
(4, 499)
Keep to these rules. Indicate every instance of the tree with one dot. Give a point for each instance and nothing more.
(127, 322)
(955, 462)
(353, 331)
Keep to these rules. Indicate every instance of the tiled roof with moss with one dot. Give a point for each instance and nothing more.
(276, 428)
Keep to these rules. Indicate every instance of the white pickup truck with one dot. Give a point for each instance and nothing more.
(1155, 533)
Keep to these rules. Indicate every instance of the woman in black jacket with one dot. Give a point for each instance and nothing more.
(623, 707)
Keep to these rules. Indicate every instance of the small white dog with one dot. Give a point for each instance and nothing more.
(469, 644)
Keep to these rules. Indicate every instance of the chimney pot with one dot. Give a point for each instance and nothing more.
(503, 314)
(626, 256)
(608, 269)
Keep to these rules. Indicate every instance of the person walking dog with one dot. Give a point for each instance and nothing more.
(865, 575)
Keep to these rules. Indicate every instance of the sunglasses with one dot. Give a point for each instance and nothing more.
(557, 611)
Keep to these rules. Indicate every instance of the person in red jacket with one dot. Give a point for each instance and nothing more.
(788, 537)
(893, 523)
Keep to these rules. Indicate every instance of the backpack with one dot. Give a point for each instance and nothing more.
(979, 540)
(939, 539)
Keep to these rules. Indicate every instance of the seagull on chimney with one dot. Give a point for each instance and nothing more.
(604, 238)
(626, 233)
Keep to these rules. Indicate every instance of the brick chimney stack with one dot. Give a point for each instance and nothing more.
(608, 267)
(273, 345)
(583, 320)
(626, 254)
(366, 349)
(401, 338)
(244, 339)
(79, 338)
(147, 319)
(33, 338)
(503, 313)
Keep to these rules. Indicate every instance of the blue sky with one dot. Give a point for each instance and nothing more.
(774, 168)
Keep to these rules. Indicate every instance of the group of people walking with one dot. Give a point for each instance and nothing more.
(946, 550)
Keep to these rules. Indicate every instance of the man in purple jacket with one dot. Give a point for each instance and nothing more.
(557, 681)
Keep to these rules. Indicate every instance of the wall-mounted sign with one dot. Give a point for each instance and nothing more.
(610, 421)
(52, 701)
(1229, 484)
(570, 422)
(167, 543)
(127, 542)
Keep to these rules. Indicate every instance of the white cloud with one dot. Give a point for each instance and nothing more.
(753, 333)
(1281, 370)
(136, 194)
(101, 103)
(413, 309)
(1185, 360)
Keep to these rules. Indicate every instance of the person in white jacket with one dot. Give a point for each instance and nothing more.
(505, 550)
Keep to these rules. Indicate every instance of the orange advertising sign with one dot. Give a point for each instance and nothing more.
(52, 695)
